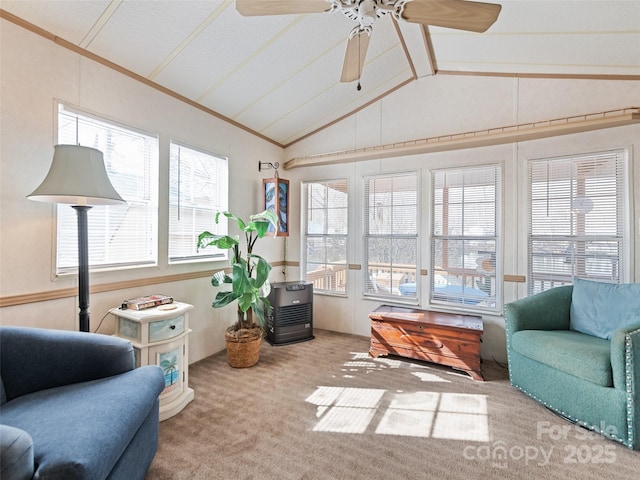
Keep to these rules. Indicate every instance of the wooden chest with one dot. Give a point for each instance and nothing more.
(443, 338)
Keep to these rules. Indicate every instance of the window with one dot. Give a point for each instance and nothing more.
(119, 235)
(391, 235)
(576, 220)
(326, 227)
(465, 236)
(198, 188)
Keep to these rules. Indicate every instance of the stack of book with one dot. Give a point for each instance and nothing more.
(148, 301)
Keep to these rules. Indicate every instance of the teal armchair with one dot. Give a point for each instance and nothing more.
(589, 380)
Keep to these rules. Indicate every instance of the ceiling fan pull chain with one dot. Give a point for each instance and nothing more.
(359, 87)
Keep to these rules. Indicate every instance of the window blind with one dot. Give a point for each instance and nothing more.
(198, 188)
(576, 219)
(119, 235)
(391, 235)
(465, 219)
(326, 230)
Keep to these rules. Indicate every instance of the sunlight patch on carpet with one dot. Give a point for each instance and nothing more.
(408, 423)
(362, 359)
(461, 426)
(345, 420)
(463, 403)
(360, 397)
(346, 397)
(430, 377)
(345, 410)
(389, 362)
(325, 395)
(455, 416)
(415, 401)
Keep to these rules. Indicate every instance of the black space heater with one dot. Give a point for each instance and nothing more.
(291, 317)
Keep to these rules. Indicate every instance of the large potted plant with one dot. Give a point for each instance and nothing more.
(249, 282)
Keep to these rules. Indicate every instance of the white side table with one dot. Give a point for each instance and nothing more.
(160, 336)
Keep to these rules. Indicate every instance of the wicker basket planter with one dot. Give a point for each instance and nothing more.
(243, 346)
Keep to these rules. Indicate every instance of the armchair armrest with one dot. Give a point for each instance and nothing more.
(548, 310)
(625, 363)
(33, 359)
(625, 346)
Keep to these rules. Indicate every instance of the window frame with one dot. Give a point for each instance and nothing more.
(412, 299)
(211, 253)
(622, 211)
(306, 235)
(488, 261)
(66, 217)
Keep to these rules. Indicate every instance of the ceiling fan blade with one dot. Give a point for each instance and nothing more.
(458, 14)
(249, 8)
(354, 57)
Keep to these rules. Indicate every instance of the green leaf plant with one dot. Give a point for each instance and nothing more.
(249, 276)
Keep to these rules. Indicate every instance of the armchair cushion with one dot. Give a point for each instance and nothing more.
(580, 355)
(599, 309)
(103, 427)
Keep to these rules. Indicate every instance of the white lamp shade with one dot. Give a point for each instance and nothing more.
(77, 176)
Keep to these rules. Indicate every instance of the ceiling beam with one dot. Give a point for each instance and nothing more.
(479, 138)
(560, 76)
(428, 45)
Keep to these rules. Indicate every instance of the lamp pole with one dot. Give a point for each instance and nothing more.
(77, 177)
(83, 266)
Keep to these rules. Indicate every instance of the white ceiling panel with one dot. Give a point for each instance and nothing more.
(285, 93)
(292, 53)
(290, 98)
(547, 16)
(71, 19)
(155, 38)
(339, 100)
(217, 52)
(350, 104)
(537, 53)
(279, 75)
(290, 102)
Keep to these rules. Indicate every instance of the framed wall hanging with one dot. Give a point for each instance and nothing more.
(276, 199)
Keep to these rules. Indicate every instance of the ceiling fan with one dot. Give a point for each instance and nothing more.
(459, 14)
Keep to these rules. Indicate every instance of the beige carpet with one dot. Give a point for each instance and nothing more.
(324, 409)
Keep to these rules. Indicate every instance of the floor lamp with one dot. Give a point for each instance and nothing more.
(78, 177)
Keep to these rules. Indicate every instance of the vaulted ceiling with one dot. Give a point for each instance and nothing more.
(279, 76)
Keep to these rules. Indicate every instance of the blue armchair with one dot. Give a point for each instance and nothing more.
(582, 372)
(72, 406)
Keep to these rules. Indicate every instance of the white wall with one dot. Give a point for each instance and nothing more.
(35, 73)
(442, 105)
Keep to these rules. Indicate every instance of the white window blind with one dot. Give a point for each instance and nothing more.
(465, 236)
(119, 235)
(391, 235)
(198, 188)
(326, 229)
(576, 219)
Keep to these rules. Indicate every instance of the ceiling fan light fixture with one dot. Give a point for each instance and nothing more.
(367, 13)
